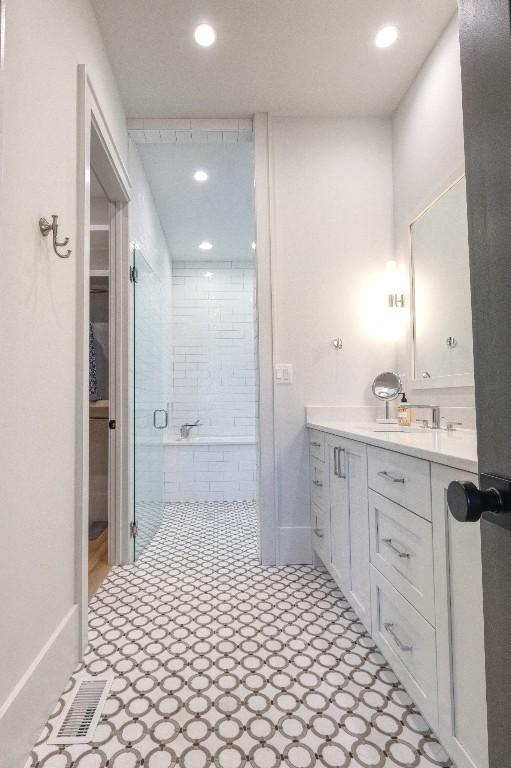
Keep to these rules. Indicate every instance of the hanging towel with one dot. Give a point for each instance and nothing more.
(93, 377)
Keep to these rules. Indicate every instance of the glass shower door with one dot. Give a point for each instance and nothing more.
(150, 412)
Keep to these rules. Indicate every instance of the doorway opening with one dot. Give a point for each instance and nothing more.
(195, 332)
(102, 473)
(100, 462)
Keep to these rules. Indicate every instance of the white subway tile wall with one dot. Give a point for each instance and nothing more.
(152, 379)
(151, 360)
(224, 472)
(214, 380)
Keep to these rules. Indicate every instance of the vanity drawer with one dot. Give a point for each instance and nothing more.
(321, 533)
(317, 444)
(319, 483)
(408, 643)
(402, 550)
(401, 478)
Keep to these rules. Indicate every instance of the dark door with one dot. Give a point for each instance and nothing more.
(486, 79)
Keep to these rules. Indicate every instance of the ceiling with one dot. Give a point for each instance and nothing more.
(219, 210)
(293, 57)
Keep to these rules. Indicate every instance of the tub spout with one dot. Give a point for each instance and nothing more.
(184, 429)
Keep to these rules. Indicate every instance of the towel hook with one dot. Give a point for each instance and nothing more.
(45, 228)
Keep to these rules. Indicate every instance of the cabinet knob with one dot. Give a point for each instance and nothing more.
(467, 503)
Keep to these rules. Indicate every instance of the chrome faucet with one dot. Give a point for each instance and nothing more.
(435, 416)
(184, 429)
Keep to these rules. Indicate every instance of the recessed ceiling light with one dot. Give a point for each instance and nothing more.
(204, 35)
(205, 245)
(253, 245)
(200, 176)
(386, 36)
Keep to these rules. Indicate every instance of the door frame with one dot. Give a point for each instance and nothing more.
(267, 470)
(267, 492)
(95, 142)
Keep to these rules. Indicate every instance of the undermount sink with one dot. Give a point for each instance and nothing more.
(393, 428)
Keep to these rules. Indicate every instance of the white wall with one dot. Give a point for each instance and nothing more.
(331, 236)
(145, 225)
(45, 41)
(428, 151)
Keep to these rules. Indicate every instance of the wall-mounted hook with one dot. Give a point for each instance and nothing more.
(337, 343)
(45, 228)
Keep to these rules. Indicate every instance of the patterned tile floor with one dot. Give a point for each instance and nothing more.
(221, 662)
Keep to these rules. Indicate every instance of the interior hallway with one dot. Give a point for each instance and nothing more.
(219, 661)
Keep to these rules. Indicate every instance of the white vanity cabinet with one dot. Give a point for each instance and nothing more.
(339, 516)
(412, 574)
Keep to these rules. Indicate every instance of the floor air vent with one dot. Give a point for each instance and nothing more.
(78, 721)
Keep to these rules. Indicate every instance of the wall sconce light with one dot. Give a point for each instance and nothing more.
(394, 286)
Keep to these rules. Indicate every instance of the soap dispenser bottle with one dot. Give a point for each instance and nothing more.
(404, 413)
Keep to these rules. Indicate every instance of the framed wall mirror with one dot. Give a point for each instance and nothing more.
(441, 310)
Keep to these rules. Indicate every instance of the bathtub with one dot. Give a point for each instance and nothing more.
(207, 440)
(209, 468)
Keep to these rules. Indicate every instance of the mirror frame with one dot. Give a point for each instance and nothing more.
(435, 382)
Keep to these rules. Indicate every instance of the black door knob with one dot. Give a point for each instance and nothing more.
(467, 503)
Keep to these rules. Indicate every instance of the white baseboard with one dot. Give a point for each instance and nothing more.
(295, 545)
(27, 707)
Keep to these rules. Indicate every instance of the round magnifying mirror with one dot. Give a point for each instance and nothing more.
(386, 387)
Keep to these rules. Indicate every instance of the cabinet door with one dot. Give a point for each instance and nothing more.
(460, 628)
(339, 515)
(360, 583)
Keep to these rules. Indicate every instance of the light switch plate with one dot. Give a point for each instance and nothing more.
(284, 373)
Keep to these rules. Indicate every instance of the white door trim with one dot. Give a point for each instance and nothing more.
(267, 475)
(92, 125)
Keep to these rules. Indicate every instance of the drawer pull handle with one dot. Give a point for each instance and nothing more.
(319, 533)
(402, 647)
(391, 478)
(338, 472)
(316, 445)
(318, 483)
(392, 546)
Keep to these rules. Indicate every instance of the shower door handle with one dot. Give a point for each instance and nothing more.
(166, 423)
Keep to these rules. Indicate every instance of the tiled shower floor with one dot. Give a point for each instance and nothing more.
(221, 662)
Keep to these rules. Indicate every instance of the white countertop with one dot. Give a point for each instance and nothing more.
(456, 449)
